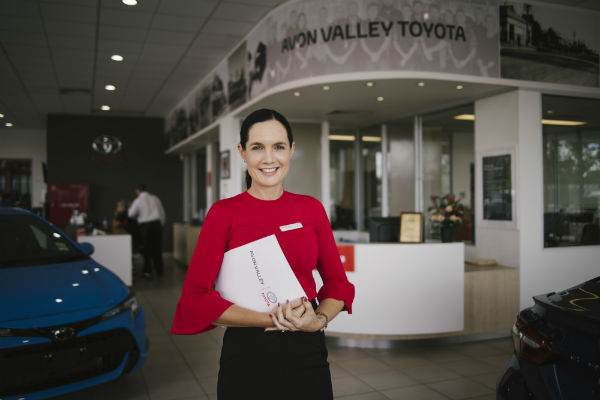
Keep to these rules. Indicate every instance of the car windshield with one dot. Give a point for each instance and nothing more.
(26, 240)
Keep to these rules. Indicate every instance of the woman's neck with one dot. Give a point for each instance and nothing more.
(266, 193)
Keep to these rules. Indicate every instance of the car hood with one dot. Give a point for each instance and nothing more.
(45, 290)
(581, 301)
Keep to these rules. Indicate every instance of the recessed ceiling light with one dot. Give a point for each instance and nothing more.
(1, 115)
(421, 84)
(105, 108)
(459, 87)
(110, 87)
(326, 87)
(379, 98)
(129, 2)
(345, 138)
(370, 84)
(58, 300)
(371, 139)
(8, 124)
(465, 117)
(116, 57)
(562, 122)
(296, 94)
(549, 111)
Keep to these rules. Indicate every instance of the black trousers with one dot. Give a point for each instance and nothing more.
(151, 237)
(273, 365)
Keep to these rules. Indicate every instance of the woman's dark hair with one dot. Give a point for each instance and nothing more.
(255, 117)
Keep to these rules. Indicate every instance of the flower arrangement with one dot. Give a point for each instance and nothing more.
(447, 211)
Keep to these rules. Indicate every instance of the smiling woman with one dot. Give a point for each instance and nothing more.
(287, 341)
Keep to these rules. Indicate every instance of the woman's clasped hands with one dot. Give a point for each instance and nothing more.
(295, 315)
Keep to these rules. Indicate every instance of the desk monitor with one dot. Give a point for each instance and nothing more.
(384, 229)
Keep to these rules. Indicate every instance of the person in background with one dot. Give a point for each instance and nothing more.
(150, 215)
(279, 354)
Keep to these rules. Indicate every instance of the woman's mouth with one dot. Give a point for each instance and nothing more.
(269, 170)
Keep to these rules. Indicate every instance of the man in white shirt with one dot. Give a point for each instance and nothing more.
(150, 215)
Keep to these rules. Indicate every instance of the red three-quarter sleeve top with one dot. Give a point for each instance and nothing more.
(238, 220)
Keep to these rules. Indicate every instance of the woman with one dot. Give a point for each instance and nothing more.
(280, 354)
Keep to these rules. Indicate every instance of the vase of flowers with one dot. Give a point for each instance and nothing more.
(446, 213)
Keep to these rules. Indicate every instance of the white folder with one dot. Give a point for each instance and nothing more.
(257, 276)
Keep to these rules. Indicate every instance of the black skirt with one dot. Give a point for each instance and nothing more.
(273, 365)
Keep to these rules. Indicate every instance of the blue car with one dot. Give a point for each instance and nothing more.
(66, 322)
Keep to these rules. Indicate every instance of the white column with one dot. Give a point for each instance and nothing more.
(186, 187)
(358, 181)
(385, 183)
(193, 185)
(325, 178)
(418, 132)
(210, 172)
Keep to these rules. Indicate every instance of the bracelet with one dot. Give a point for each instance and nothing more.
(319, 313)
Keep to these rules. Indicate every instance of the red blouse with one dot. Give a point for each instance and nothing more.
(238, 220)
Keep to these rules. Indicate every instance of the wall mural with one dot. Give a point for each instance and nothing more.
(549, 44)
(313, 38)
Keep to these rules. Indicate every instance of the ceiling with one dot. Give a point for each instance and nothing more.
(55, 58)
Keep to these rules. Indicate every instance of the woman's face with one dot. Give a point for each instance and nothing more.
(267, 154)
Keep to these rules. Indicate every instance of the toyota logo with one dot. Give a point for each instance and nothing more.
(64, 333)
(107, 144)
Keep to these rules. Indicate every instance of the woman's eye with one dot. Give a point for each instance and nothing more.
(279, 147)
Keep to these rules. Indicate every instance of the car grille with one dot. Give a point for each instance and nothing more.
(37, 367)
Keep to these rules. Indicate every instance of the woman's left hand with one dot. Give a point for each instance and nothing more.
(286, 318)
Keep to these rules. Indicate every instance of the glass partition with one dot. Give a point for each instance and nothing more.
(571, 132)
(372, 173)
(401, 156)
(342, 166)
(448, 165)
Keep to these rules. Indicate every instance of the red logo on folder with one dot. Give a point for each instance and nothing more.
(347, 255)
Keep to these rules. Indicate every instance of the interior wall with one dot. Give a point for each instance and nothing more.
(304, 176)
(71, 159)
(27, 144)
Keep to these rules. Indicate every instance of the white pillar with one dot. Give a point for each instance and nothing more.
(210, 172)
(325, 170)
(186, 187)
(418, 132)
(193, 185)
(358, 181)
(385, 183)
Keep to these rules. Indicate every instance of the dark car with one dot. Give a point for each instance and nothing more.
(556, 347)
(66, 322)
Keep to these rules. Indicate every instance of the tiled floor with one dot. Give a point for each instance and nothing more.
(186, 367)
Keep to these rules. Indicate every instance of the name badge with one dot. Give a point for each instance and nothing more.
(290, 227)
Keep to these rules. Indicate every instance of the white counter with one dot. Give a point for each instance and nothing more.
(112, 252)
(405, 289)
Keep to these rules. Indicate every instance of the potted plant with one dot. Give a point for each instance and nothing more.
(446, 213)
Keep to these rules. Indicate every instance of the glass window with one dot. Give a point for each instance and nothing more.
(571, 131)
(448, 165)
(372, 173)
(401, 156)
(342, 166)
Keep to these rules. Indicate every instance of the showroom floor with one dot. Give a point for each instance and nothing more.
(185, 367)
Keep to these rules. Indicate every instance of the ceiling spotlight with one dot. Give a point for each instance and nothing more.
(550, 111)
(370, 84)
(326, 87)
(105, 108)
(296, 94)
(1, 115)
(379, 98)
(129, 2)
(116, 57)
(421, 84)
(110, 87)
(8, 124)
(459, 87)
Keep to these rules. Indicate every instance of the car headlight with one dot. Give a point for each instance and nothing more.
(130, 303)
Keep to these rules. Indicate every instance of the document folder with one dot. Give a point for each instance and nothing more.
(257, 276)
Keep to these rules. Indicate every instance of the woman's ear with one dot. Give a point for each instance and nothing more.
(242, 151)
(292, 147)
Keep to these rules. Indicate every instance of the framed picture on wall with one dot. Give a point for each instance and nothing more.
(411, 227)
(225, 165)
(496, 194)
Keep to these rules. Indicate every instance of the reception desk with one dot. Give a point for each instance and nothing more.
(405, 289)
